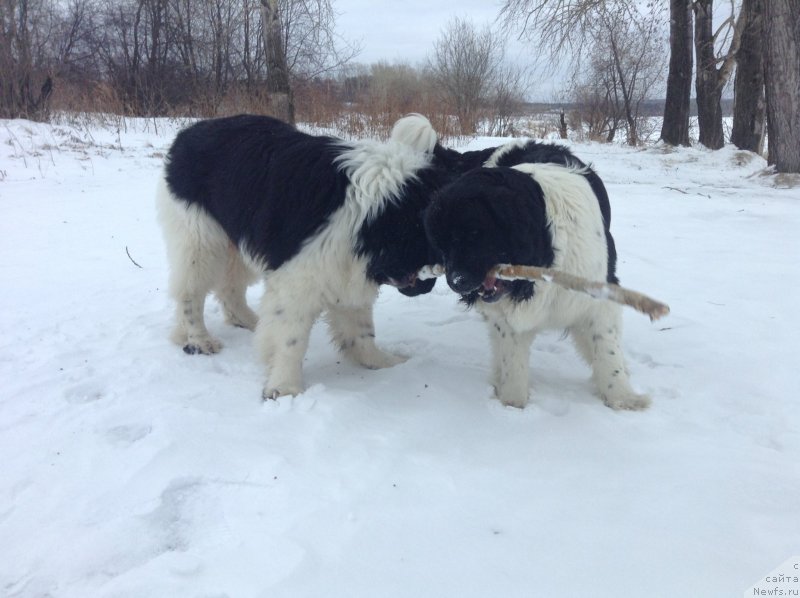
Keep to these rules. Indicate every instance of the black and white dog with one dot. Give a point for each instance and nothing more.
(324, 221)
(530, 151)
(542, 214)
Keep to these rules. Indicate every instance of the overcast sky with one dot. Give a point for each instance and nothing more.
(405, 30)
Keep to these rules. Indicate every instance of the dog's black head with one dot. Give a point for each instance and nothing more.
(395, 242)
(487, 217)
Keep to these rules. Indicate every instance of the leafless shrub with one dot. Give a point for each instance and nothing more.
(468, 67)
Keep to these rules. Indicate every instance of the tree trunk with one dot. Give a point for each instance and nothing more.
(707, 84)
(782, 76)
(278, 87)
(675, 128)
(748, 87)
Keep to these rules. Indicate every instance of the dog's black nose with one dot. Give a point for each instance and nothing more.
(462, 282)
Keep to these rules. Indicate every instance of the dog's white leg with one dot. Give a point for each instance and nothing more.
(353, 331)
(597, 338)
(286, 316)
(232, 293)
(196, 251)
(510, 355)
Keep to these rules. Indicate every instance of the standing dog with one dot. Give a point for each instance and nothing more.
(545, 215)
(322, 220)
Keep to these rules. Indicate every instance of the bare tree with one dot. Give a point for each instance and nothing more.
(617, 80)
(675, 127)
(597, 112)
(505, 99)
(252, 50)
(749, 107)
(465, 63)
(155, 56)
(136, 46)
(614, 45)
(277, 83)
(636, 63)
(216, 47)
(557, 27)
(69, 48)
(710, 79)
(312, 46)
(782, 53)
(301, 43)
(26, 66)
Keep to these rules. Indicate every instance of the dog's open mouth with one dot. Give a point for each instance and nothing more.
(492, 289)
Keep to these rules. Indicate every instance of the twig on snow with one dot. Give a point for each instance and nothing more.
(676, 189)
(130, 258)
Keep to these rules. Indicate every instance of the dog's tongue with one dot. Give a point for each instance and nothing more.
(489, 282)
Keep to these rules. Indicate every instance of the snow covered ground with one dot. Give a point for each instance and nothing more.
(129, 469)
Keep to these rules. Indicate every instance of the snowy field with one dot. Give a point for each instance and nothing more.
(129, 469)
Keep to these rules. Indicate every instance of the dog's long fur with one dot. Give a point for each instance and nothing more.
(542, 215)
(324, 221)
(529, 151)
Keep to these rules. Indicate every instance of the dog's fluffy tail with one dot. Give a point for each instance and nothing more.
(416, 131)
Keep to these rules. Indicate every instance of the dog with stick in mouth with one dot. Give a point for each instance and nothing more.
(533, 214)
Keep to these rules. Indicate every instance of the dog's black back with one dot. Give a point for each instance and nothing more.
(272, 187)
(267, 184)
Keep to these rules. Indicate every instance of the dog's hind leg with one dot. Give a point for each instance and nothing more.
(510, 367)
(353, 332)
(597, 338)
(197, 253)
(232, 292)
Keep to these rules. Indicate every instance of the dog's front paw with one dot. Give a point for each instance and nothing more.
(272, 392)
(203, 345)
(511, 399)
(629, 401)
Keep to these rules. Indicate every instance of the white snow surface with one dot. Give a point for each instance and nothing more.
(130, 469)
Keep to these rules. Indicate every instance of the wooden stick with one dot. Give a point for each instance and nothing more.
(599, 290)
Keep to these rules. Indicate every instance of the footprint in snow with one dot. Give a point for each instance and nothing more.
(172, 516)
(646, 360)
(84, 393)
(452, 320)
(127, 435)
(552, 405)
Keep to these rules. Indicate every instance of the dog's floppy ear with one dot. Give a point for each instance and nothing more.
(517, 207)
(509, 195)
